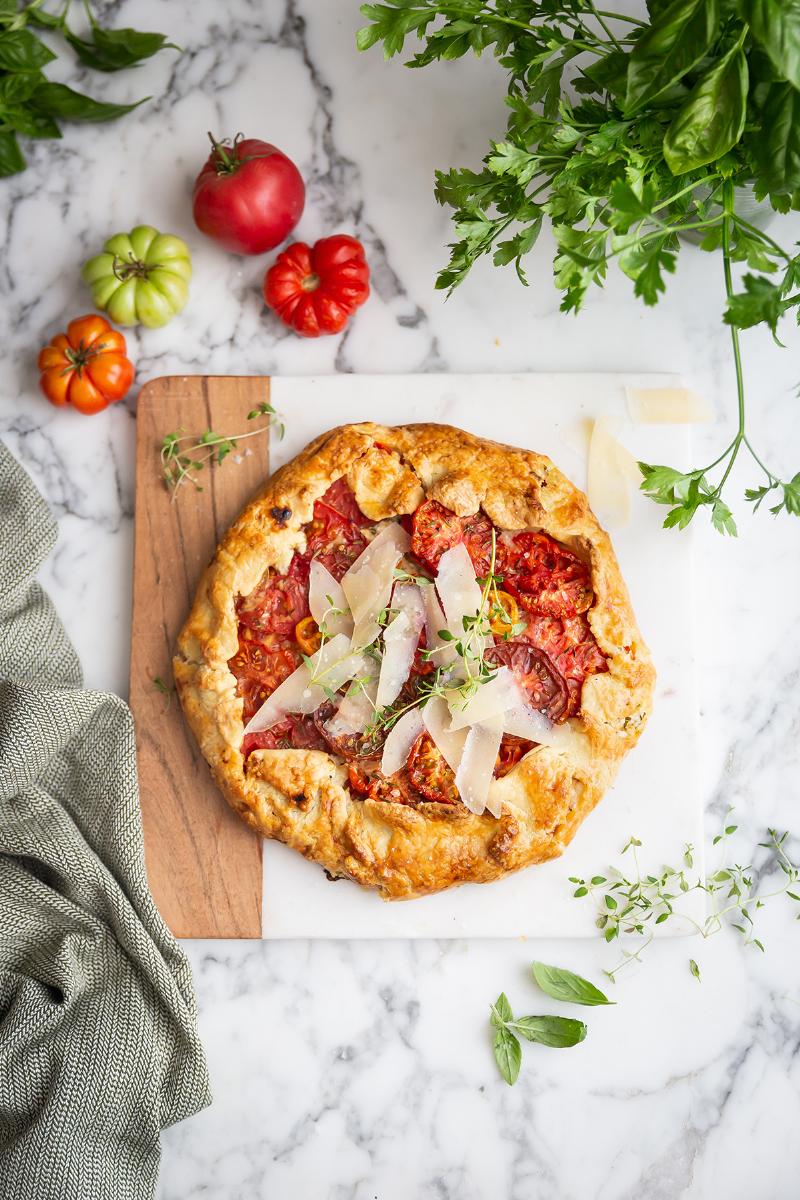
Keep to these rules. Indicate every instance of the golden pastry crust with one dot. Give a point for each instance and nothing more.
(300, 796)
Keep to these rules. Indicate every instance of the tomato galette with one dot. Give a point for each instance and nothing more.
(414, 660)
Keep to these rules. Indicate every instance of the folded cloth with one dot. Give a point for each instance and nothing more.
(98, 1041)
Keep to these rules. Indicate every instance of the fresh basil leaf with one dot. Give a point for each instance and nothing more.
(565, 985)
(39, 16)
(550, 1031)
(9, 12)
(507, 1054)
(12, 159)
(58, 100)
(31, 123)
(679, 37)
(712, 119)
(776, 25)
(21, 51)
(776, 146)
(16, 89)
(501, 1011)
(115, 49)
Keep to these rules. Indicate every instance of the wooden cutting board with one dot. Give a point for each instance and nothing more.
(203, 863)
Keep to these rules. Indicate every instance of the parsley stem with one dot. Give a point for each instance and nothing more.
(728, 203)
(599, 17)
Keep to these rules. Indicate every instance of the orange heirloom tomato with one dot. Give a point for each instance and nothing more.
(87, 367)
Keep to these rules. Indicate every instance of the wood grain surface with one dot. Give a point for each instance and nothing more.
(203, 863)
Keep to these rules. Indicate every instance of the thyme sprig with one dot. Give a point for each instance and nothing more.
(183, 454)
(633, 904)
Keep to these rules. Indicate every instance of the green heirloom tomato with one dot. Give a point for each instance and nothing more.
(141, 278)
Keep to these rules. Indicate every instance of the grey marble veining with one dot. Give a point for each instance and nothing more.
(361, 1071)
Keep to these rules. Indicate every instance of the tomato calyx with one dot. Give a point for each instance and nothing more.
(79, 356)
(130, 268)
(310, 283)
(225, 154)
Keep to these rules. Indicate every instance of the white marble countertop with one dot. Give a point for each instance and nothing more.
(364, 1070)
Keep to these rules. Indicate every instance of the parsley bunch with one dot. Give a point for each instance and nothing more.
(623, 134)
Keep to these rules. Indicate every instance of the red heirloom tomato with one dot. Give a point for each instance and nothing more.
(248, 196)
(86, 367)
(315, 290)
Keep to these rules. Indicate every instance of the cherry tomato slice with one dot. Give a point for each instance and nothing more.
(307, 635)
(434, 529)
(430, 774)
(503, 613)
(546, 686)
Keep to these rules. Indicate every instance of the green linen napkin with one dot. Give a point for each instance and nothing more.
(98, 1041)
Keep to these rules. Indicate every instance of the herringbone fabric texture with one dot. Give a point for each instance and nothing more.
(98, 1041)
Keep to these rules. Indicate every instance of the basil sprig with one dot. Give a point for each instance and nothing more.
(30, 104)
(675, 112)
(547, 1030)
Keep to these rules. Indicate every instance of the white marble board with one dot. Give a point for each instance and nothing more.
(656, 796)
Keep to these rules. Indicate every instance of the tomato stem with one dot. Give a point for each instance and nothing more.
(310, 283)
(130, 267)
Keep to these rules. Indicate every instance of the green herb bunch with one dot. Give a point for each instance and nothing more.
(30, 104)
(623, 134)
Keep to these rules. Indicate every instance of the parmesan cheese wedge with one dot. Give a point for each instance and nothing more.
(400, 641)
(612, 471)
(450, 745)
(368, 584)
(356, 708)
(327, 600)
(667, 406)
(402, 736)
(490, 700)
(476, 769)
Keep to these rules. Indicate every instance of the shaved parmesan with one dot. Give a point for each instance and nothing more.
(667, 406)
(450, 745)
(476, 769)
(305, 689)
(402, 736)
(458, 588)
(490, 700)
(611, 472)
(356, 709)
(368, 584)
(527, 723)
(325, 594)
(400, 641)
(434, 621)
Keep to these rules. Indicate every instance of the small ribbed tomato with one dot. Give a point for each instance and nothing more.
(315, 291)
(86, 367)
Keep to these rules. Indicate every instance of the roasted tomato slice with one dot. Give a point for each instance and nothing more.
(332, 537)
(432, 777)
(546, 686)
(434, 529)
(274, 606)
(547, 577)
(476, 532)
(512, 749)
(340, 500)
(365, 779)
(347, 745)
(294, 733)
(263, 663)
